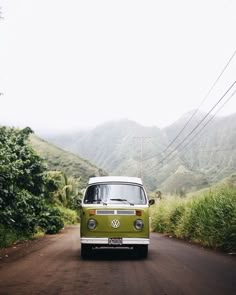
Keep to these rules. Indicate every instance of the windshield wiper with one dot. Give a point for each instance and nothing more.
(100, 201)
(96, 202)
(122, 200)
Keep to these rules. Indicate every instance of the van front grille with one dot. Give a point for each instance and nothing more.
(126, 212)
(105, 212)
(115, 212)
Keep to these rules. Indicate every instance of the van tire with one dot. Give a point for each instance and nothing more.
(142, 251)
(85, 251)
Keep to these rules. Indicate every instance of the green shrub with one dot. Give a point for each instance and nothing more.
(69, 216)
(7, 236)
(51, 220)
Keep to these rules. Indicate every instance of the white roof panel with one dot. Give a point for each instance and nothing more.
(106, 179)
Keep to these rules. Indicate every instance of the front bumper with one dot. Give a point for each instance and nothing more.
(105, 241)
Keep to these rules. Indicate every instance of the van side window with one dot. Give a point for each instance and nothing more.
(90, 194)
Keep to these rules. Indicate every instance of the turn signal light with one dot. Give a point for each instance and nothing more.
(92, 212)
(138, 212)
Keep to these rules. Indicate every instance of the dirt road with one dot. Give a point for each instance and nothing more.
(52, 265)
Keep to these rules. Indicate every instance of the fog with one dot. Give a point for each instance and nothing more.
(76, 64)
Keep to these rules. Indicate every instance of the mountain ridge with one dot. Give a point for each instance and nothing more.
(119, 146)
(59, 159)
(125, 147)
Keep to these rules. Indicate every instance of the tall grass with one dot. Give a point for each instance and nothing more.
(208, 219)
(8, 236)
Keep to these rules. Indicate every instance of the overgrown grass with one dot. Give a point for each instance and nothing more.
(208, 219)
(9, 236)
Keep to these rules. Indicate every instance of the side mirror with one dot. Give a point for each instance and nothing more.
(151, 202)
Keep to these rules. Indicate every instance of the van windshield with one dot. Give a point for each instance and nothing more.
(115, 193)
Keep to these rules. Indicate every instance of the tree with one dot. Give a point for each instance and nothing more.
(23, 192)
(62, 190)
(21, 180)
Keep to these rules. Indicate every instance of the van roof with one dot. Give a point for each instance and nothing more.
(105, 179)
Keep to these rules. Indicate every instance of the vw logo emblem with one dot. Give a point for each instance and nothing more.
(115, 223)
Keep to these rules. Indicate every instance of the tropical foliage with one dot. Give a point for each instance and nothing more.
(62, 190)
(28, 193)
(21, 181)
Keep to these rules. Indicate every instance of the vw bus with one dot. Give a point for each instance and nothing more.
(114, 214)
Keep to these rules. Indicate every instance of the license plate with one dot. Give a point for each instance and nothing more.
(115, 241)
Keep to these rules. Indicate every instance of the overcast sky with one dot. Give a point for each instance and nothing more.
(75, 64)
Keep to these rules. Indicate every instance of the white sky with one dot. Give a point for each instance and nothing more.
(73, 64)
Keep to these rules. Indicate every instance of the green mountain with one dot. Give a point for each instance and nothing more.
(118, 148)
(70, 164)
(183, 181)
(213, 152)
(127, 148)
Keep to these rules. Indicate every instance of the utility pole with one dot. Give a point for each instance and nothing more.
(141, 139)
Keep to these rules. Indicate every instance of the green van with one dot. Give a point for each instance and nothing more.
(115, 213)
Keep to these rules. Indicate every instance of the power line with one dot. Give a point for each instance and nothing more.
(194, 113)
(208, 121)
(216, 151)
(186, 137)
(205, 127)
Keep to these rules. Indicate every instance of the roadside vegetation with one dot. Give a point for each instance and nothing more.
(33, 201)
(208, 218)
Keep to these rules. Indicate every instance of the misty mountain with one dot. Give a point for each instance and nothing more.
(118, 148)
(69, 163)
(113, 142)
(214, 151)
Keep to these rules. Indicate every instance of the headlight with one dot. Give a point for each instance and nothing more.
(92, 224)
(138, 224)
